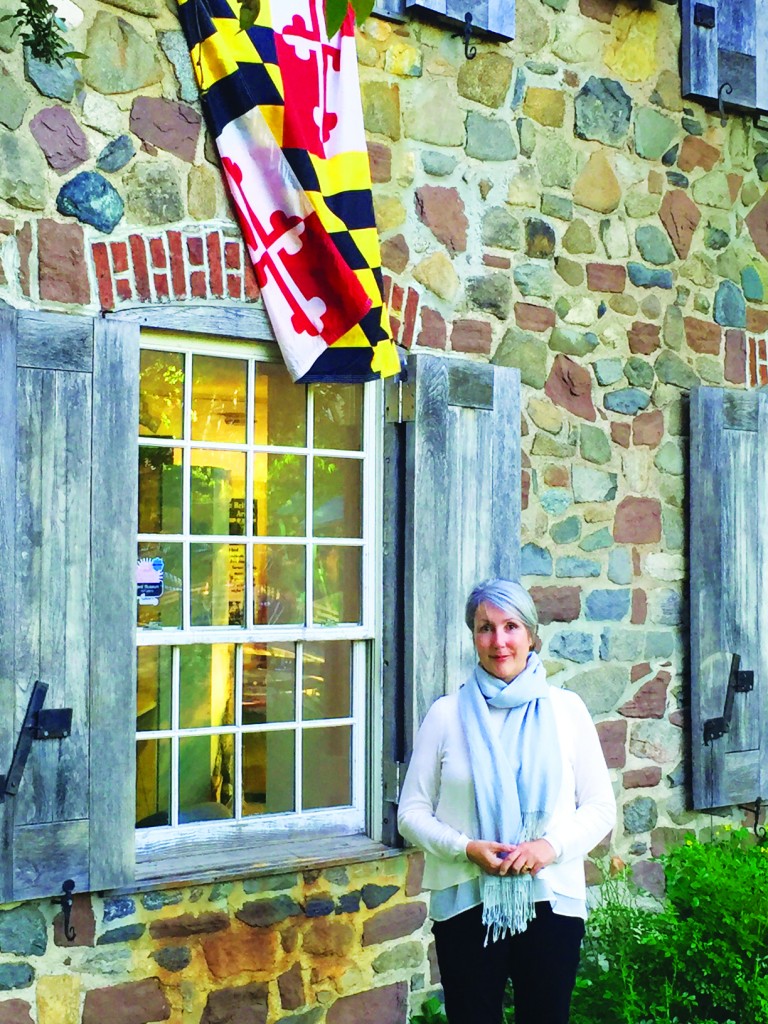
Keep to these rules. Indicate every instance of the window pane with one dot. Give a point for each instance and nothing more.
(218, 578)
(337, 585)
(159, 490)
(217, 492)
(159, 582)
(206, 685)
(278, 584)
(153, 704)
(153, 785)
(337, 497)
(161, 394)
(279, 495)
(280, 408)
(218, 399)
(206, 764)
(269, 767)
(326, 679)
(338, 418)
(269, 683)
(327, 767)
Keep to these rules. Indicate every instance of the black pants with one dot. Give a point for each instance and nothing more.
(541, 962)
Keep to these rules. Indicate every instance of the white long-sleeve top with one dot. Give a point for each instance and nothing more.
(437, 805)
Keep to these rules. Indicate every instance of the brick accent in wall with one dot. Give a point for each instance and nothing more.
(757, 361)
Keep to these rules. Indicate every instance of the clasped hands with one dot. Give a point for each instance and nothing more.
(509, 859)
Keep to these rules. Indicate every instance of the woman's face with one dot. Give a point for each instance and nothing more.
(501, 640)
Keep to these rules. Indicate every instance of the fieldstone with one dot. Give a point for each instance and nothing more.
(471, 336)
(557, 162)
(153, 193)
(90, 197)
(597, 187)
(123, 933)
(532, 29)
(527, 353)
(16, 975)
(440, 165)
(115, 907)
(116, 154)
(572, 646)
(640, 815)
(388, 211)
(637, 521)
(23, 181)
(386, 1005)
(100, 113)
(290, 984)
(401, 957)
(569, 386)
(620, 566)
(669, 459)
(735, 357)
(108, 961)
(613, 740)
(486, 80)
(381, 112)
(666, 606)
(607, 605)
(489, 139)
(716, 238)
(752, 284)
(607, 371)
(600, 688)
(593, 484)
(621, 434)
(673, 526)
(535, 561)
(14, 100)
(529, 316)
(539, 238)
(270, 883)
(556, 604)
(375, 895)
(437, 273)
(60, 137)
(757, 223)
(555, 501)
(307, 1017)
(579, 238)
(556, 206)
(640, 204)
(648, 428)
(644, 277)
(641, 778)
(665, 566)
(677, 180)
(526, 132)
(594, 445)
(131, 1003)
(524, 187)
(570, 271)
(673, 329)
(348, 903)
(651, 307)
(534, 279)
(394, 923)
(615, 239)
(695, 152)
(57, 81)
(442, 210)
(603, 111)
(23, 931)
(621, 644)
(730, 305)
(654, 133)
(189, 924)
(174, 127)
(606, 277)
(545, 415)
(638, 372)
(702, 335)
(628, 401)
(173, 958)
(575, 42)
(713, 189)
(491, 293)
(656, 741)
(16, 1011)
(571, 342)
(597, 540)
(544, 444)
(670, 369)
(501, 229)
(244, 1004)
(546, 106)
(571, 566)
(119, 59)
(395, 253)
(632, 55)
(650, 701)
(643, 338)
(653, 245)
(176, 50)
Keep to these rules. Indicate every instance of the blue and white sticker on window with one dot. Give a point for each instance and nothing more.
(150, 575)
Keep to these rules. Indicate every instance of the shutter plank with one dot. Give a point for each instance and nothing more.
(501, 17)
(761, 55)
(699, 55)
(507, 469)
(760, 567)
(55, 341)
(46, 855)
(113, 651)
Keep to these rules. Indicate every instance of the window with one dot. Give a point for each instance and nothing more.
(255, 594)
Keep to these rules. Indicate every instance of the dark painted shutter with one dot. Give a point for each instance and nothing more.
(725, 51)
(729, 591)
(68, 413)
(494, 16)
(452, 518)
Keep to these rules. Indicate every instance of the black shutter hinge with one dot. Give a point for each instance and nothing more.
(739, 681)
(39, 724)
(66, 901)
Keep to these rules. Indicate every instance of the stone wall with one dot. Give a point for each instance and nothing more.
(554, 205)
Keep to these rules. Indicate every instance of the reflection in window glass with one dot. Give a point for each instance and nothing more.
(337, 585)
(153, 705)
(206, 685)
(268, 772)
(327, 762)
(218, 399)
(326, 679)
(161, 394)
(156, 608)
(338, 419)
(217, 579)
(153, 783)
(280, 408)
(206, 766)
(160, 490)
(337, 497)
(279, 495)
(269, 683)
(217, 492)
(278, 584)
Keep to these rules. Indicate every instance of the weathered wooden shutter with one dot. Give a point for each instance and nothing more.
(725, 52)
(729, 591)
(68, 413)
(452, 518)
(494, 16)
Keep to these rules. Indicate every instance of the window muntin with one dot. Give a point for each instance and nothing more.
(256, 494)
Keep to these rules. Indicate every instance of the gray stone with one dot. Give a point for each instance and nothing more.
(603, 110)
(401, 957)
(613, 235)
(572, 646)
(572, 342)
(607, 371)
(173, 958)
(555, 501)
(526, 131)
(640, 815)
(654, 245)
(60, 82)
(597, 540)
(16, 976)
(9, 36)
(622, 644)
(665, 607)
(608, 605)
(374, 895)
(176, 50)
(14, 101)
(640, 204)
(535, 561)
(120, 60)
(673, 329)
(673, 527)
(601, 687)
(118, 906)
(160, 898)
(558, 162)
(440, 165)
(669, 459)
(659, 644)
(629, 401)
(348, 902)
(501, 229)
(319, 906)
(566, 531)
(593, 484)
(730, 306)
(124, 933)
(670, 369)
(489, 139)
(23, 931)
(23, 172)
(90, 197)
(751, 284)
(654, 133)
(556, 206)
(716, 238)
(116, 154)
(638, 372)
(153, 193)
(644, 277)
(491, 293)
(572, 567)
(620, 566)
(594, 445)
(264, 913)
(270, 883)
(526, 352)
(534, 279)
(655, 740)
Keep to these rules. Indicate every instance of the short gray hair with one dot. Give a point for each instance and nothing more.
(507, 595)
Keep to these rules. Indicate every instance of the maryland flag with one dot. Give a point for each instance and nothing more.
(283, 103)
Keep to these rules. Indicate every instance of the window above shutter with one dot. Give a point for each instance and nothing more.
(496, 17)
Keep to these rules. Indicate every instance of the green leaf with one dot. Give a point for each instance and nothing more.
(249, 12)
(335, 13)
(75, 55)
(362, 9)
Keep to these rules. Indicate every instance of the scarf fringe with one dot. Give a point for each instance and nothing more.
(508, 903)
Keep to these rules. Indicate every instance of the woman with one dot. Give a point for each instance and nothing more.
(506, 792)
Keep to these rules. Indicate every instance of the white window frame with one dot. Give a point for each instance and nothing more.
(200, 839)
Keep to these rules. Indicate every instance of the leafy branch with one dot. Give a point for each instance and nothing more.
(335, 13)
(39, 30)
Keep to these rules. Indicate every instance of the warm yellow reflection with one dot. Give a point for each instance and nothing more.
(217, 578)
(280, 416)
(153, 672)
(153, 783)
(269, 683)
(278, 584)
(161, 394)
(326, 679)
(206, 765)
(268, 772)
(160, 489)
(337, 595)
(219, 399)
(279, 495)
(217, 492)
(206, 685)
(337, 497)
